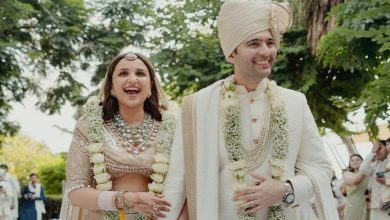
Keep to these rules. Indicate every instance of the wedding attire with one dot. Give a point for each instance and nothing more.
(370, 168)
(32, 208)
(6, 196)
(308, 167)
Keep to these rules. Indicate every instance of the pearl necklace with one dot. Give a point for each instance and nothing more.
(255, 155)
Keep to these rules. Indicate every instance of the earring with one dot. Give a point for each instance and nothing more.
(112, 93)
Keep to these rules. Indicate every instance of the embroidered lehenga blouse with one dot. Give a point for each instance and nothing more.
(118, 161)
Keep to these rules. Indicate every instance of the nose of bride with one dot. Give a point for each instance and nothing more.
(132, 78)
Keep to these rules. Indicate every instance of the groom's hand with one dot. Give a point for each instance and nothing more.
(263, 195)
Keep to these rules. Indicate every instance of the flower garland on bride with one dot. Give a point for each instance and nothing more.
(95, 148)
(233, 141)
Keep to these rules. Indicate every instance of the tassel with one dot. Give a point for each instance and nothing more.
(122, 215)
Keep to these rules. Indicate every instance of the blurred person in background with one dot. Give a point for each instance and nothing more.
(15, 187)
(33, 195)
(373, 166)
(355, 184)
(385, 181)
(6, 201)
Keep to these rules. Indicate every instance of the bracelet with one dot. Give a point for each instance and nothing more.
(119, 200)
(105, 201)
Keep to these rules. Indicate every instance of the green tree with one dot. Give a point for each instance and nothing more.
(56, 39)
(25, 156)
(360, 46)
(51, 177)
(189, 58)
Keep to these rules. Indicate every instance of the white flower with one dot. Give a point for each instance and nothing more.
(277, 172)
(95, 147)
(228, 103)
(102, 177)
(156, 187)
(104, 186)
(239, 174)
(158, 178)
(173, 108)
(230, 95)
(161, 158)
(237, 165)
(93, 100)
(277, 162)
(160, 168)
(97, 158)
(99, 168)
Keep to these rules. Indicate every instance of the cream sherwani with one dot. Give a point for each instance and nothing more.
(308, 167)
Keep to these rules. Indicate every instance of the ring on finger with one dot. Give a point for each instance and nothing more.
(155, 208)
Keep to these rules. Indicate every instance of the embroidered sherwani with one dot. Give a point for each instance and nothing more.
(307, 165)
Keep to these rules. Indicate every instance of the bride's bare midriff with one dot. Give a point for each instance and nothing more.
(131, 182)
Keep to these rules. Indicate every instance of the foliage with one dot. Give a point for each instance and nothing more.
(57, 39)
(189, 58)
(188, 54)
(53, 207)
(360, 46)
(25, 156)
(51, 177)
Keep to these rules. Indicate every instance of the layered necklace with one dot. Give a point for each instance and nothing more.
(256, 154)
(135, 139)
(274, 130)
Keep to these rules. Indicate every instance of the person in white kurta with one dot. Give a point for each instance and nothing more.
(6, 201)
(376, 162)
(15, 190)
(249, 32)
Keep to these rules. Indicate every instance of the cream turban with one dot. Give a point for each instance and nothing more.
(239, 19)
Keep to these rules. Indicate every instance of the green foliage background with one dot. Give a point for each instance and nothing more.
(56, 39)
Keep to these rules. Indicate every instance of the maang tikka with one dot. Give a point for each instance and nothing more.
(130, 56)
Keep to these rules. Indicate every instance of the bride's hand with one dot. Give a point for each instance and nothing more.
(147, 204)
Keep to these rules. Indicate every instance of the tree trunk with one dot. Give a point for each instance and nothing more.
(349, 144)
(316, 12)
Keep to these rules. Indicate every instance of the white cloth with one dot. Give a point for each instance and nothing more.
(214, 179)
(239, 19)
(369, 168)
(5, 200)
(174, 184)
(377, 214)
(39, 205)
(15, 191)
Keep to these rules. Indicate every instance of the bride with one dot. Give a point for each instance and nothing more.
(121, 147)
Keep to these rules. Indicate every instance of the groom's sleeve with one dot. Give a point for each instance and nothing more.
(313, 151)
(175, 185)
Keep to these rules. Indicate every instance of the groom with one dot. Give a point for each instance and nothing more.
(251, 148)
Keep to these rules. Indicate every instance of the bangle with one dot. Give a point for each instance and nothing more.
(105, 201)
(119, 200)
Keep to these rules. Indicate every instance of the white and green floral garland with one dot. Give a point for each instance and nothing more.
(95, 148)
(235, 149)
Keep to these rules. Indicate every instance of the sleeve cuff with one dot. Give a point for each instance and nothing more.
(303, 188)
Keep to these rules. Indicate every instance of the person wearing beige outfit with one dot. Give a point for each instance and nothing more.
(252, 149)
